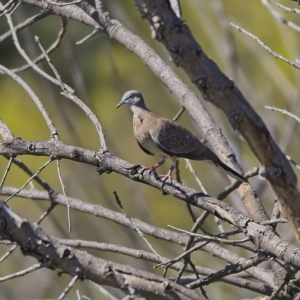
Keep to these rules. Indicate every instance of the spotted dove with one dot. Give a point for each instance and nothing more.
(165, 138)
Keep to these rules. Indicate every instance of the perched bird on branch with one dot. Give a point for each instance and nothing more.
(165, 138)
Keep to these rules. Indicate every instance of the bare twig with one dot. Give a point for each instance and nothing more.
(68, 94)
(135, 227)
(210, 238)
(29, 180)
(68, 288)
(230, 269)
(6, 172)
(54, 46)
(288, 9)
(105, 292)
(179, 114)
(29, 61)
(87, 37)
(279, 17)
(25, 24)
(284, 112)
(276, 55)
(64, 192)
(8, 253)
(35, 99)
(23, 272)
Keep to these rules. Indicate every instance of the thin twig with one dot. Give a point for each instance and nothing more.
(11, 9)
(23, 272)
(17, 162)
(279, 17)
(87, 37)
(69, 95)
(178, 115)
(288, 9)
(234, 185)
(25, 24)
(65, 196)
(284, 112)
(4, 7)
(188, 163)
(134, 226)
(68, 288)
(29, 180)
(276, 55)
(35, 99)
(46, 213)
(230, 269)
(8, 253)
(6, 171)
(54, 46)
(104, 291)
(210, 238)
(23, 53)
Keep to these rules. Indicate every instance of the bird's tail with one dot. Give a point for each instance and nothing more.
(230, 172)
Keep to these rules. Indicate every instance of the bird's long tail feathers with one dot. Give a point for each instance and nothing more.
(230, 172)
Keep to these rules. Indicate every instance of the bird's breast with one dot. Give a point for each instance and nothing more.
(141, 132)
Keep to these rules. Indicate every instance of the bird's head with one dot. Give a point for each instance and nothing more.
(132, 98)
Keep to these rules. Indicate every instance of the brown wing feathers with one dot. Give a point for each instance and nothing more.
(177, 141)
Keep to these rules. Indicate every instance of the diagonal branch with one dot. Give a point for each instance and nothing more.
(222, 92)
(263, 236)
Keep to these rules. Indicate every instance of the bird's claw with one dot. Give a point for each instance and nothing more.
(164, 179)
(151, 169)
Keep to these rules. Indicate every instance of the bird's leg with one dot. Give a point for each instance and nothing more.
(168, 175)
(153, 168)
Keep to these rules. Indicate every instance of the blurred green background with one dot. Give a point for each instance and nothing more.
(101, 70)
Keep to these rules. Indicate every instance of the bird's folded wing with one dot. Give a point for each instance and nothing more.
(144, 149)
(175, 140)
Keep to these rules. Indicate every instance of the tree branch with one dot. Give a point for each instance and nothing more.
(36, 243)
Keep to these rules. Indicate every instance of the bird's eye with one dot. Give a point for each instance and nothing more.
(131, 96)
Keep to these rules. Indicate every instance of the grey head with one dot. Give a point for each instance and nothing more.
(133, 98)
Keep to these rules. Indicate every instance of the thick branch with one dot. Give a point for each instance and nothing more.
(159, 233)
(263, 236)
(222, 92)
(35, 242)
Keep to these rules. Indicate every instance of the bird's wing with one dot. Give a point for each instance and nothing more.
(177, 141)
(144, 149)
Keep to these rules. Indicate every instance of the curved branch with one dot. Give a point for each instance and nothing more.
(54, 46)
(159, 233)
(263, 236)
(35, 242)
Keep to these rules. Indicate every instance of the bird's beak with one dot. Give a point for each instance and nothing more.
(123, 101)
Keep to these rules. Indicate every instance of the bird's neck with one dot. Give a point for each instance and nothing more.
(136, 110)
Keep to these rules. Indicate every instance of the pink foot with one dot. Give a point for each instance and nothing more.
(151, 169)
(166, 177)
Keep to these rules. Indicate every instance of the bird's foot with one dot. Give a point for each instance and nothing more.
(150, 169)
(165, 178)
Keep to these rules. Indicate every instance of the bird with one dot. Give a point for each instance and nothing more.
(165, 138)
